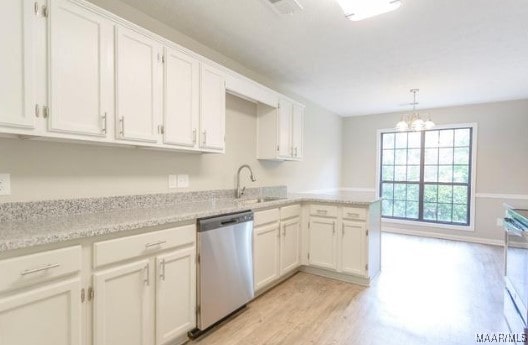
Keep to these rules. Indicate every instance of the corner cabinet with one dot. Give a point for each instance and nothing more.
(280, 131)
(343, 241)
(277, 245)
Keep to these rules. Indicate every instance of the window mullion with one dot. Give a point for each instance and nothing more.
(421, 183)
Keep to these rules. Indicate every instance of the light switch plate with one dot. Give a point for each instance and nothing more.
(173, 181)
(183, 181)
(5, 184)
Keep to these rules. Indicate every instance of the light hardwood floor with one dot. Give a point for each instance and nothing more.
(430, 291)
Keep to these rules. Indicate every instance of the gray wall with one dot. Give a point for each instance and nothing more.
(502, 164)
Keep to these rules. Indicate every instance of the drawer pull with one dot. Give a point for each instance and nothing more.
(39, 269)
(162, 269)
(354, 215)
(322, 211)
(153, 244)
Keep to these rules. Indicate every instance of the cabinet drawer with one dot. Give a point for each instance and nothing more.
(36, 268)
(266, 217)
(290, 211)
(354, 213)
(107, 252)
(323, 211)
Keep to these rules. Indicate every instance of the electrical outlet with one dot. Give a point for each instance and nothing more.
(500, 222)
(5, 184)
(183, 181)
(173, 181)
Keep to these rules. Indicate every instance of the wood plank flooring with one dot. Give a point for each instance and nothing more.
(430, 291)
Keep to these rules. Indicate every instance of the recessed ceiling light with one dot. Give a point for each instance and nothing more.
(357, 10)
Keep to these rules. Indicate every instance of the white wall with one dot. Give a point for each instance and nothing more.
(502, 158)
(45, 170)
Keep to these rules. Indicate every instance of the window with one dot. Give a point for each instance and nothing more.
(426, 176)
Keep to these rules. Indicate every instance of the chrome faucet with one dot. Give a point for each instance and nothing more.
(240, 192)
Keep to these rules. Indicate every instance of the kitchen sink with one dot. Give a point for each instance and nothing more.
(259, 200)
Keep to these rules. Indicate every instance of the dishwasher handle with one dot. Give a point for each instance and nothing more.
(229, 221)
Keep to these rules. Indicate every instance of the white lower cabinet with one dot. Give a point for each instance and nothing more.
(353, 242)
(289, 248)
(175, 294)
(266, 255)
(148, 301)
(122, 307)
(276, 244)
(323, 243)
(48, 315)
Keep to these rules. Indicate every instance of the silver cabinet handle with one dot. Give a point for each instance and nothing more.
(343, 230)
(122, 120)
(37, 109)
(153, 244)
(194, 136)
(322, 211)
(104, 118)
(292, 152)
(353, 215)
(333, 228)
(146, 272)
(204, 137)
(162, 269)
(295, 151)
(39, 269)
(284, 231)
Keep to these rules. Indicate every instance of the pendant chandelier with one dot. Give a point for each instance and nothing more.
(414, 121)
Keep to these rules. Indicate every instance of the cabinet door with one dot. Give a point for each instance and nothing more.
(175, 295)
(289, 253)
(323, 242)
(353, 242)
(139, 84)
(50, 315)
(284, 129)
(297, 131)
(266, 248)
(80, 70)
(17, 81)
(181, 101)
(213, 107)
(123, 304)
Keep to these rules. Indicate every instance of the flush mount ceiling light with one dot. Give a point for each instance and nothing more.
(413, 121)
(357, 10)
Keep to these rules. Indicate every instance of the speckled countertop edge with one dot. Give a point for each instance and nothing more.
(25, 234)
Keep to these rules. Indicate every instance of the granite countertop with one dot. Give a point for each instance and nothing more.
(17, 234)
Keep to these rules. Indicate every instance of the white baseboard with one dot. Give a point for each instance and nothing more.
(443, 236)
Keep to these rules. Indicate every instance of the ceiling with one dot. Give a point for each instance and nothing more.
(455, 51)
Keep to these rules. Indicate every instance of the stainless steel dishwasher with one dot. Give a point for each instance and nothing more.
(225, 267)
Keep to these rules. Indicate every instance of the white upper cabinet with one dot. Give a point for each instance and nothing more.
(17, 81)
(80, 70)
(297, 131)
(280, 131)
(213, 109)
(285, 129)
(138, 86)
(181, 99)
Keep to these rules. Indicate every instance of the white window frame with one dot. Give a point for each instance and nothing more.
(474, 141)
